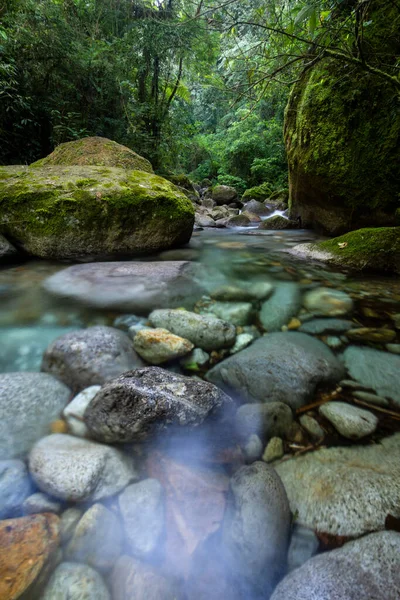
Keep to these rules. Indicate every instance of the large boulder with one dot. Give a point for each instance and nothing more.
(90, 356)
(145, 401)
(366, 568)
(82, 211)
(95, 152)
(29, 402)
(279, 367)
(224, 194)
(342, 129)
(137, 287)
(345, 491)
(368, 249)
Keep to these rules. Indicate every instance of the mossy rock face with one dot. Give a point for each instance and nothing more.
(369, 249)
(96, 152)
(342, 133)
(259, 192)
(72, 212)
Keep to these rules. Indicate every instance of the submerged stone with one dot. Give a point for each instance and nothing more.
(84, 211)
(71, 581)
(139, 287)
(279, 367)
(345, 491)
(284, 304)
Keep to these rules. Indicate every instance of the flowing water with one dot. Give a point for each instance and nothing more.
(30, 319)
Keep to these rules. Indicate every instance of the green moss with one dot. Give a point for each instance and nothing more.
(259, 192)
(95, 151)
(368, 248)
(83, 203)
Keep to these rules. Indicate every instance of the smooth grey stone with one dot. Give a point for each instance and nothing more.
(15, 487)
(312, 426)
(256, 527)
(320, 326)
(333, 342)
(41, 503)
(350, 421)
(68, 521)
(204, 221)
(367, 568)
(237, 313)
(374, 369)
(132, 579)
(97, 539)
(22, 347)
(284, 304)
(303, 545)
(354, 385)
(143, 514)
(328, 301)
(197, 357)
(76, 470)
(242, 341)
(143, 402)
(139, 287)
(124, 322)
(345, 491)
(90, 356)
(71, 581)
(279, 367)
(274, 450)
(204, 331)
(29, 402)
(371, 398)
(264, 420)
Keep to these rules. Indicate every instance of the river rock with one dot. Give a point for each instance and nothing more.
(312, 426)
(374, 369)
(87, 211)
(279, 367)
(303, 545)
(6, 249)
(350, 421)
(278, 222)
(76, 470)
(223, 194)
(253, 218)
(139, 287)
(370, 398)
(345, 491)
(97, 539)
(41, 503)
(140, 403)
(204, 221)
(321, 326)
(157, 346)
(205, 332)
(132, 578)
(71, 581)
(264, 420)
(237, 313)
(90, 356)
(365, 568)
(143, 515)
(15, 487)
(74, 411)
(257, 207)
(27, 553)
(238, 221)
(284, 304)
(29, 402)
(274, 450)
(327, 301)
(68, 521)
(259, 290)
(256, 527)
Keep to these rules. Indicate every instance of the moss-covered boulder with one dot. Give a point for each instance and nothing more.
(342, 134)
(72, 212)
(259, 192)
(95, 152)
(278, 222)
(369, 249)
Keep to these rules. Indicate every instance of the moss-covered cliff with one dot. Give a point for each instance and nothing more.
(342, 134)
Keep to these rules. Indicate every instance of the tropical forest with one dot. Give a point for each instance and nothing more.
(199, 300)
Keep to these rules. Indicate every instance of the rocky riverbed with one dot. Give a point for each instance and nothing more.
(220, 421)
